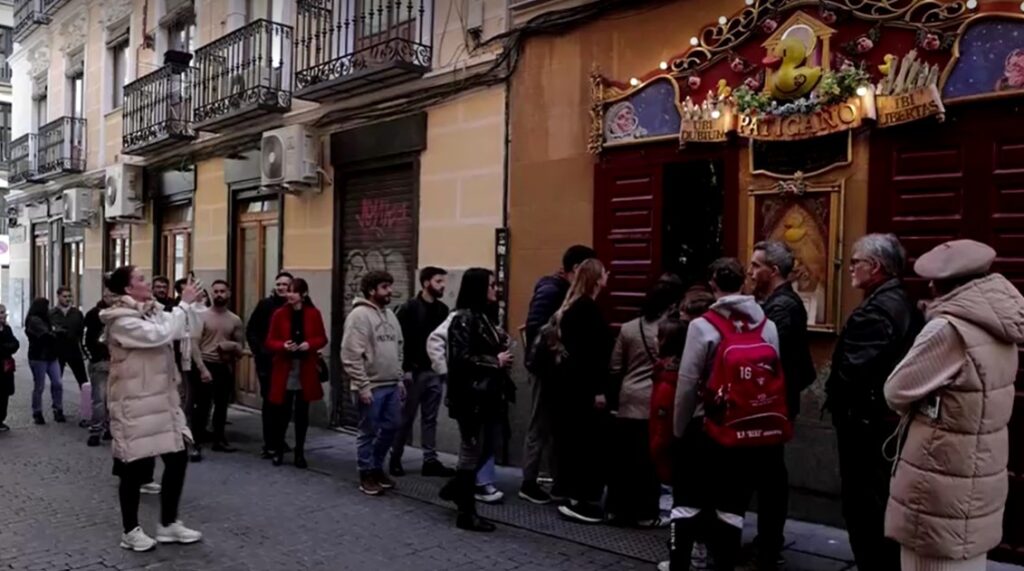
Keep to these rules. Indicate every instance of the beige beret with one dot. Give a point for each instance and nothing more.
(955, 259)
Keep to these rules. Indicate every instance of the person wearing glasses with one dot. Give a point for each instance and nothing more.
(874, 340)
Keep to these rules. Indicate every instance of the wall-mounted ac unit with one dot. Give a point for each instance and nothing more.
(78, 207)
(288, 159)
(123, 195)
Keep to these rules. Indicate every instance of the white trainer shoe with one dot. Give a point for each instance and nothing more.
(177, 533)
(151, 488)
(137, 540)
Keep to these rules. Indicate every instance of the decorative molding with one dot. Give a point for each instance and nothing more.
(39, 60)
(115, 11)
(74, 30)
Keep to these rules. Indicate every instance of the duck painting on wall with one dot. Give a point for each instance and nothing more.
(798, 54)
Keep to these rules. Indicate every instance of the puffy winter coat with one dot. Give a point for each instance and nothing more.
(955, 391)
(142, 390)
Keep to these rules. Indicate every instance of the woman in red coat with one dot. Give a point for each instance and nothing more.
(295, 338)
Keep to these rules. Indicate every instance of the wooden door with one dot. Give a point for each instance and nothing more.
(257, 254)
(934, 182)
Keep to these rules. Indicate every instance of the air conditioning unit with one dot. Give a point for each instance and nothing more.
(78, 207)
(288, 159)
(123, 195)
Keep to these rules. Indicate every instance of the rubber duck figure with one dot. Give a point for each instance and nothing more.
(886, 67)
(792, 79)
(724, 90)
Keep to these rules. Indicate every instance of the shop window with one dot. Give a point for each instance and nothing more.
(40, 261)
(176, 242)
(257, 254)
(74, 268)
(119, 246)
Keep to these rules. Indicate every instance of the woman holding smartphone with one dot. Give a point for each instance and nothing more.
(296, 336)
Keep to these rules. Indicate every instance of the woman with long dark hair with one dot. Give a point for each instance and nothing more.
(295, 338)
(43, 360)
(479, 387)
(582, 396)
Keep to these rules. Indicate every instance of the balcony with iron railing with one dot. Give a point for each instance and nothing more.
(22, 164)
(347, 47)
(28, 16)
(243, 75)
(5, 147)
(50, 7)
(158, 110)
(61, 148)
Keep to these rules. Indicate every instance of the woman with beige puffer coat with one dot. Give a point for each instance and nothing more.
(146, 419)
(955, 392)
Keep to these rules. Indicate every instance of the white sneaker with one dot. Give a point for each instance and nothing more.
(488, 494)
(177, 533)
(137, 540)
(151, 488)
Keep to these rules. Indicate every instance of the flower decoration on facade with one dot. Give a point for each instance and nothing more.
(795, 187)
(833, 88)
(739, 64)
(934, 40)
(827, 14)
(864, 43)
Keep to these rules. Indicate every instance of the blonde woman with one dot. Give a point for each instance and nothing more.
(581, 398)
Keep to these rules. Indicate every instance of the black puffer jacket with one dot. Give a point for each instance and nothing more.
(876, 337)
(786, 310)
(478, 387)
(42, 339)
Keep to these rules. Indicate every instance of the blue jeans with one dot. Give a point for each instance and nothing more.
(486, 474)
(41, 370)
(378, 423)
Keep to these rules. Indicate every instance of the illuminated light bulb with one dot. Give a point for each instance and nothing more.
(663, 65)
(972, 4)
(634, 82)
(1022, 6)
(694, 41)
(750, 2)
(862, 91)
(722, 20)
(716, 114)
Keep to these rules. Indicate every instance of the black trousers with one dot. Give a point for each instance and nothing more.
(772, 490)
(581, 444)
(134, 474)
(216, 393)
(72, 356)
(293, 401)
(4, 398)
(270, 424)
(633, 489)
(865, 474)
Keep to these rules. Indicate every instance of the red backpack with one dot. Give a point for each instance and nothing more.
(745, 399)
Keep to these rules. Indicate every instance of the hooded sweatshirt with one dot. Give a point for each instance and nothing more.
(371, 347)
(437, 346)
(702, 339)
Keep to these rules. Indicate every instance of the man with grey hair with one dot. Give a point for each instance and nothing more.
(769, 272)
(876, 337)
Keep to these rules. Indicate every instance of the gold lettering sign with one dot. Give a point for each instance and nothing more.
(833, 119)
(907, 107)
(706, 130)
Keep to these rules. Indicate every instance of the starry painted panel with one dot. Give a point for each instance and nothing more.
(991, 60)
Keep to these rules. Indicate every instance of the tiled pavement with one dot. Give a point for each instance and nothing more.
(58, 510)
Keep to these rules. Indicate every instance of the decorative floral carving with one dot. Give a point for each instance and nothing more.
(74, 31)
(115, 10)
(39, 59)
(596, 139)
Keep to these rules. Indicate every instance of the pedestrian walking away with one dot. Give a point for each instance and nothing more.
(875, 338)
(220, 345)
(419, 317)
(256, 330)
(99, 369)
(538, 450)
(955, 392)
(146, 416)
(43, 360)
(479, 388)
(770, 267)
(9, 345)
(296, 337)
(371, 355)
(69, 323)
(581, 401)
(712, 491)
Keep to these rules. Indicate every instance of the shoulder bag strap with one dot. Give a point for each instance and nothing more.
(643, 337)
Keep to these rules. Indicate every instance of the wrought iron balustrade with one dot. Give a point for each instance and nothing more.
(61, 147)
(22, 164)
(28, 15)
(344, 46)
(158, 110)
(245, 73)
(5, 146)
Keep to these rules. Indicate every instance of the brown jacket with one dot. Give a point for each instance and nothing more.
(955, 391)
(142, 390)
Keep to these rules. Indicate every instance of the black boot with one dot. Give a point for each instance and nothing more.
(466, 504)
(682, 535)
(724, 544)
(448, 491)
(300, 459)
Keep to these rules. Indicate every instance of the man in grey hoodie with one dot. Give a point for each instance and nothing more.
(718, 486)
(371, 355)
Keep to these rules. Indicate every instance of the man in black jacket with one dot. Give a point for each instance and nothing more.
(548, 295)
(419, 317)
(69, 323)
(256, 330)
(99, 369)
(875, 339)
(770, 267)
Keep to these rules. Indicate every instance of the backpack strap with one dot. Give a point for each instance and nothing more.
(727, 327)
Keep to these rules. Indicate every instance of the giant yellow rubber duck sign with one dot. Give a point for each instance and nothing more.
(792, 77)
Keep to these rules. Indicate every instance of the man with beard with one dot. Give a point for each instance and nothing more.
(221, 345)
(69, 323)
(162, 292)
(256, 334)
(419, 317)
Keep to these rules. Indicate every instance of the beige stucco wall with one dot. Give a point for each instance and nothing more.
(462, 181)
(210, 218)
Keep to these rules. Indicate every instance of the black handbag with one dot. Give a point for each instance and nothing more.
(323, 372)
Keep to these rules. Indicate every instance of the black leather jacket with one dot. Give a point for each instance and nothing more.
(875, 339)
(786, 310)
(478, 387)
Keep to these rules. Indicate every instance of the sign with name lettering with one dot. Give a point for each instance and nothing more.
(907, 107)
(833, 119)
(707, 130)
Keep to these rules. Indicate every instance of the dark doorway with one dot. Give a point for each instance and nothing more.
(692, 218)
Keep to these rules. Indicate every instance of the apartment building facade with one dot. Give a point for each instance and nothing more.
(139, 137)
